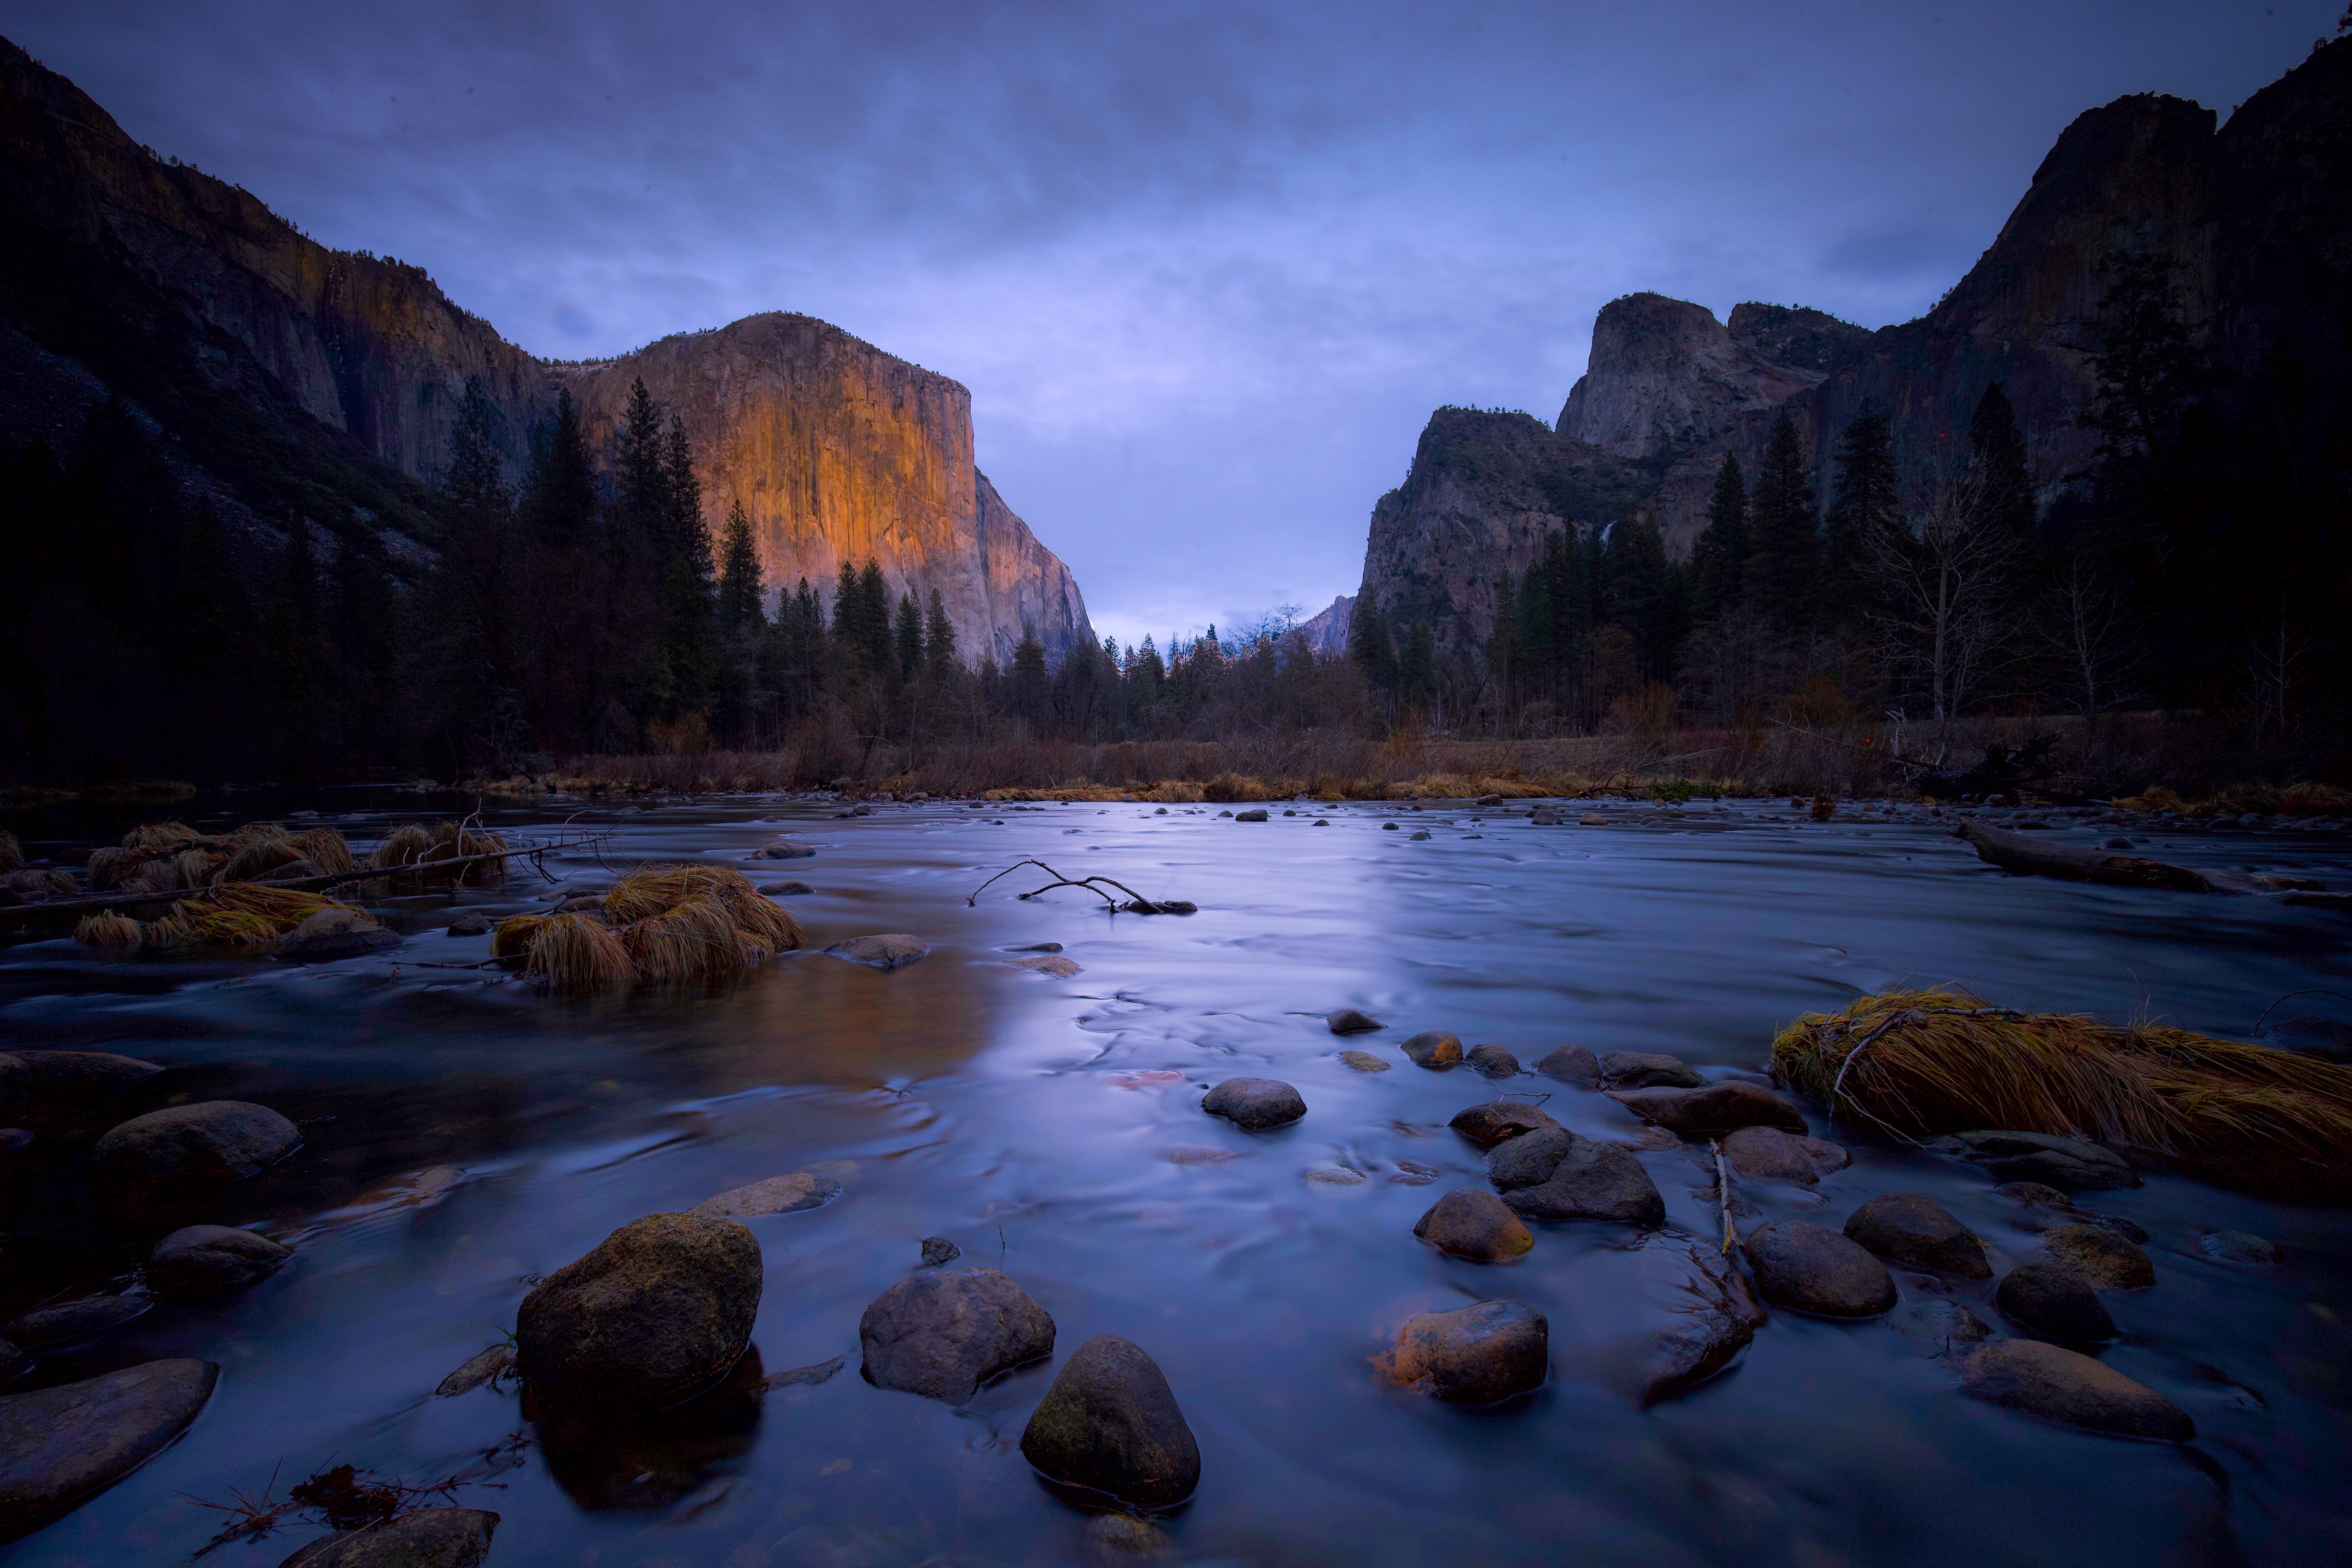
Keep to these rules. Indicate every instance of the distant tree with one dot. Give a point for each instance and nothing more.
(740, 592)
(1644, 596)
(2148, 370)
(1996, 456)
(1720, 559)
(939, 642)
(1782, 528)
(1868, 510)
(688, 596)
(1949, 599)
(1032, 691)
(1416, 676)
(907, 638)
(561, 497)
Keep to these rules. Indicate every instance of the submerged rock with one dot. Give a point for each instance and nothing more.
(1938, 1326)
(1474, 1355)
(69, 1094)
(1470, 1223)
(1810, 1268)
(1769, 1155)
(46, 1326)
(1913, 1228)
(477, 1371)
(2101, 1257)
(1648, 1070)
(1363, 1061)
(174, 1166)
(1111, 1423)
(938, 1249)
(886, 951)
(1347, 1021)
(1432, 1048)
(1494, 1061)
(1655, 1319)
(792, 890)
(1553, 1175)
(2044, 1298)
(332, 934)
(782, 849)
(2236, 1247)
(1571, 1063)
(1255, 813)
(1254, 1103)
(1051, 964)
(2075, 1164)
(1498, 1119)
(1110, 1538)
(429, 1538)
(473, 922)
(1712, 1111)
(776, 1194)
(60, 1445)
(657, 1313)
(942, 1336)
(2065, 1385)
(203, 1260)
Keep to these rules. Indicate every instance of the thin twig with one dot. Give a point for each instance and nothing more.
(2291, 996)
(1723, 1195)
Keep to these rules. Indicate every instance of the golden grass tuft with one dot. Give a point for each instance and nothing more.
(415, 846)
(12, 853)
(108, 866)
(194, 868)
(40, 882)
(1941, 1061)
(257, 856)
(109, 929)
(404, 846)
(160, 875)
(578, 952)
(326, 849)
(1173, 792)
(694, 938)
(511, 937)
(158, 835)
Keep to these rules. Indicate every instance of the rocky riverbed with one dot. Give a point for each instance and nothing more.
(1417, 1199)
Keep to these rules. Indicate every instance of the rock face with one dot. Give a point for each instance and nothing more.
(176, 1165)
(1327, 631)
(1475, 1355)
(657, 1314)
(1813, 1269)
(2066, 1385)
(1664, 374)
(1254, 1103)
(1111, 1423)
(203, 1260)
(1553, 1175)
(943, 1335)
(60, 1444)
(1916, 1230)
(429, 1538)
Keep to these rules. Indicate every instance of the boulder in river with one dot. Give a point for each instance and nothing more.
(174, 1166)
(1553, 1175)
(1648, 1070)
(332, 934)
(1254, 1103)
(2104, 1259)
(60, 1445)
(1571, 1063)
(429, 1538)
(473, 922)
(1363, 1061)
(2042, 1298)
(2236, 1247)
(1432, 1048)
(1493, 1061)
(782, 849)
(1769, 1155)
(776, 1194)
(1473, 1355)
(1347, 1021)
(792, 890)
(2072, 1164)
(70, 1321)
(1915, 1229)
(659, 1311)
(1811, 1269)
(942, 1336)
(2066, 1385)
(203, 1260)
(1110, 1422)
(1254, 813)
(885, 951)
(1469, 1222)
(70, 1094)
(1655, 1319)
(938, 1250)
(1712, 1111)
(1500, 1119)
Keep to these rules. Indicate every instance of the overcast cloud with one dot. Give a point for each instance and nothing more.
(1205, 267)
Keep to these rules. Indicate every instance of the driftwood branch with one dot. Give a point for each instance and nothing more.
(1137, 903)
(2019, 852)
(1723, 1195)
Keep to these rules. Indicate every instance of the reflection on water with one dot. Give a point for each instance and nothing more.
(1050, 1126)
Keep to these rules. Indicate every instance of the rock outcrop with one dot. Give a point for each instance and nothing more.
(1666, 375)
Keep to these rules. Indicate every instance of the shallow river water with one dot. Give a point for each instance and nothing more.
(1002, 1108)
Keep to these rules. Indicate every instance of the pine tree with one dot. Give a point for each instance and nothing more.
(908, 639)
(874, 617)
(939, 642)
(1368, 644)
(641, 469)
(1999, 463)
(740, 592)
(2147, 369)
(1416, 676)
(1719, 560)
(562, 495)
(1864, 519)
(690, 597)
(1644, 596)
(1780, 563)
(1032, 697)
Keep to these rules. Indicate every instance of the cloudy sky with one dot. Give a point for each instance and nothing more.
(1206, 267)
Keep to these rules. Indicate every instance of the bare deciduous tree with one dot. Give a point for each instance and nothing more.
(2091, 641)
(1945, 587)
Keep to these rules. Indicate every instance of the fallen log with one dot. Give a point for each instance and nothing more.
(2039, 858)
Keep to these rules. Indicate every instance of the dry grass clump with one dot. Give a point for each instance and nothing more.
(578, 952)
(414, 847)
(258, 856)
(40, 882)
(236, 914)
(2304, 799)
(12, 853)
(326, 848)
(109, 929)
(1076, 789)
(1923, 1063)
(696, 937)
(1174, 792)
(511, 937)
(158, 835)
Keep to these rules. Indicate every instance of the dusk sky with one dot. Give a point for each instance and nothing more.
(1206, 269)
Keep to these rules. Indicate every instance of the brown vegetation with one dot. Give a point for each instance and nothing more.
(659, 922)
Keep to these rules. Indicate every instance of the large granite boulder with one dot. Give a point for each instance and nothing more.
(1111, 1423)
(1470, 1223)
(2052, 1302)
(1473, 1355)
(175, 1166)
(1553, 1175)
(60, 1446)
(942, 1336)
(1915, 1229)
(1254, 1103)
(2060, 1385)
(203, 1260)
(660, 1310)
(1712, 1111)
(1654, 1319)
(1810, 1268)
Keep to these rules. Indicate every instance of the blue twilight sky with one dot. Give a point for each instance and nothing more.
(1206, 267)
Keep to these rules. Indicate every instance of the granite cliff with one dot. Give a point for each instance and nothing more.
(298, 381)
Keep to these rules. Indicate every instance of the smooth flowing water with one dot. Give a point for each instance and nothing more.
(1050, 1126)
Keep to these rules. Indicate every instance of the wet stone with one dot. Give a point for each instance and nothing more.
(1474, 1355)
(1648, 1070)
(60, 1445)
(1059, 967)
(1553, 1175)
(175, 1166)
(1498, 1119)
(79, 1092)
(1712, 1111)
(68, 1321)
(332, 934)
(203, 1260)
(2104, 1259)
(1120, 1538)
(1571, 1063)
(938, 1249)
(2044, 1298)
(782, 849)
(429, 1538)
(471, 923)
(805, 1376)
(1111, 1424)
(942, 1336)
(659, 1311)
(886, 951)
(1769, 1155)
(1938, 1326)
(1493, 1061)
(479, 1370)
(1254, 1103)
(2231, 1247)
(792, 890)
(1914, 1229)
(2065, 1385)
(1432, 1048)
(1655, 1319)
(777, 1195)
(1347, 1021)
(2075, 1164)
(1470, 1223)
(1810, 1268)
(1363, 1061)
(1255, 813)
